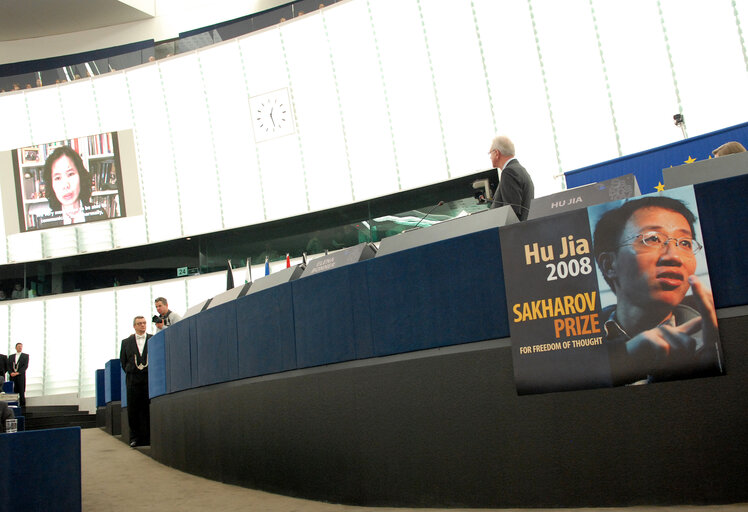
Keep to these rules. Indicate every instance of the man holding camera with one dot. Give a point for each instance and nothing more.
(165, 316)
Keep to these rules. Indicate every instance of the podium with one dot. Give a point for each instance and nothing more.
(276, 278)
(480, 221)
(614, 189)
(706, 170)
(340, 258)
(229, 295)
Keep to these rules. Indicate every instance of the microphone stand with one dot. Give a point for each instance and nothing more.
(427, 214)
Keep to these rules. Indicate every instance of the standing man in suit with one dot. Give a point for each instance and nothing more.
(516, 188)
(133, 357)
(17, 365)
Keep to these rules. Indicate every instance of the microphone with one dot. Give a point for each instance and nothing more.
(437, 205)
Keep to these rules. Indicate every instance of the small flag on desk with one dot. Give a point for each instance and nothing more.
(288, 261)
(248, 274)
(267, 265)
(229, 277)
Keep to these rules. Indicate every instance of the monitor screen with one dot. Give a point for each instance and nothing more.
(69, 182)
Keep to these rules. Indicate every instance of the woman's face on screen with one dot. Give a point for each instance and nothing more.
(66, 181)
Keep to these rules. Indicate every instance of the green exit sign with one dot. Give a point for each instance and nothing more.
(183, 271)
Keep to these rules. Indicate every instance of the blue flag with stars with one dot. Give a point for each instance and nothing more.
(647, 165)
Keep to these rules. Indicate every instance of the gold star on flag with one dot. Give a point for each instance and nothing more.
(659, 187)
(690, 160)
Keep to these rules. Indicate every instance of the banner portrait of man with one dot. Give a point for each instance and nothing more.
(659, 321)
(612, 295)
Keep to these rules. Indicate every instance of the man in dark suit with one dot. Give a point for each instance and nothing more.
(17, 365)
(516, 188)
(133, 357)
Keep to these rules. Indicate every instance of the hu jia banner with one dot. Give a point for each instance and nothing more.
(615, 294)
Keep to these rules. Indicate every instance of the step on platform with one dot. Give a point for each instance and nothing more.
(57, 416)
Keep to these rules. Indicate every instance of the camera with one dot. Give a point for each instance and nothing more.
(157, 319)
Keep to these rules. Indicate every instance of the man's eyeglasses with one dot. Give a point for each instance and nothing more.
(653, 240)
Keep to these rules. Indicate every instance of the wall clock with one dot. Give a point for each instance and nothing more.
(272, 115)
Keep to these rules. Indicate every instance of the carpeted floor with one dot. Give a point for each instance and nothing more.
(116, 477)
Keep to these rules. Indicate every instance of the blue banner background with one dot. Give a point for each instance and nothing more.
(647, 165)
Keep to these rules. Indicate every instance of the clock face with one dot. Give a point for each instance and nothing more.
(272, 115)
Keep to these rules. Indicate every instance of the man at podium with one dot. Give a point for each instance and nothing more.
(646, 253)
(516, 188)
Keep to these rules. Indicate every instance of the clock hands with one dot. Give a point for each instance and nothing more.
(273, 115)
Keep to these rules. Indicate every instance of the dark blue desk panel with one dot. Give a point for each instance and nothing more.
(41, 470)
(216, 345)
(332, 316)
(123, 387)
(178, 343)
(157, 372)
(440, 294)
(111, 380)
(100, 388)
(724, 224)
(265, 330)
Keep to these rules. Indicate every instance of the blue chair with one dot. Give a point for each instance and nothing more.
(8, 387)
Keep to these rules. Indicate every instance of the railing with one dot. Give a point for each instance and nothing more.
(42, 72)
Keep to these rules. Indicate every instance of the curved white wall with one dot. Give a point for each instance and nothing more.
(171, 18)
